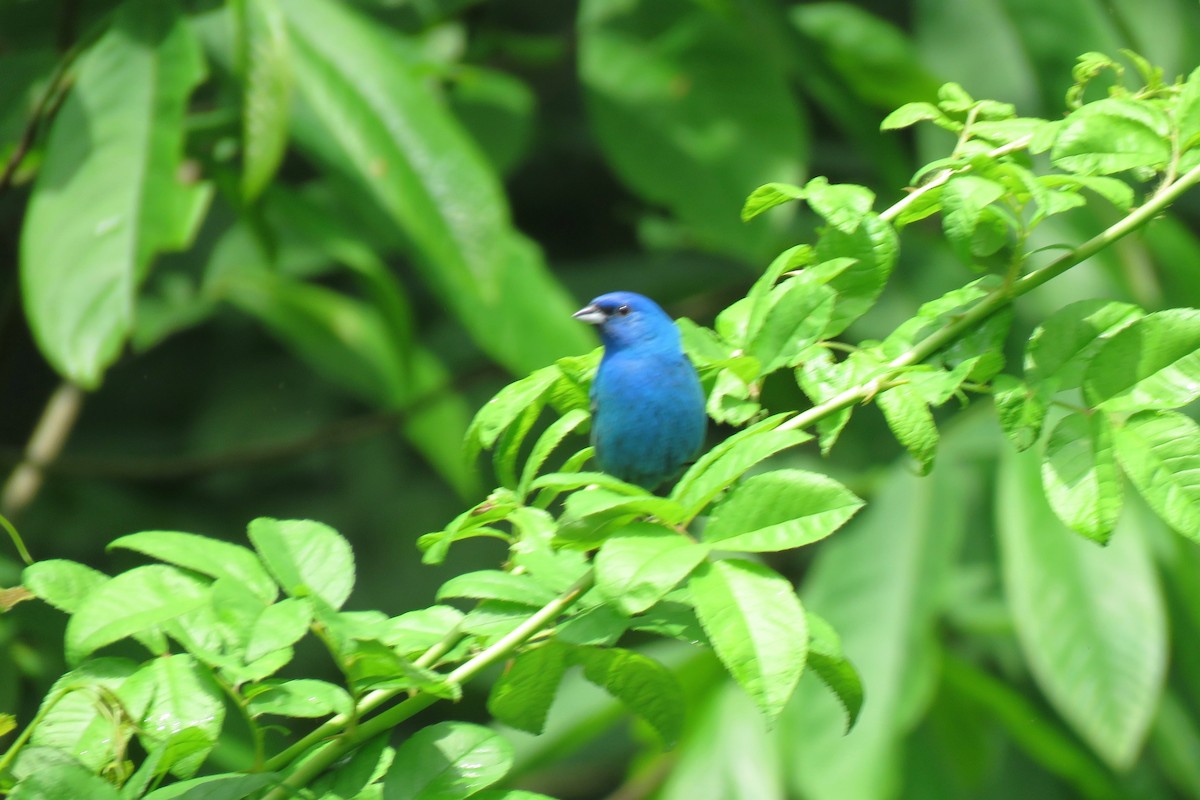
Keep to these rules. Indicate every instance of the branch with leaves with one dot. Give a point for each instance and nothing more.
(593, 560)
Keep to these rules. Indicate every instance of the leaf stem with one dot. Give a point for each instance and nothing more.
(503, 647)
(45, 443)
(998, 299)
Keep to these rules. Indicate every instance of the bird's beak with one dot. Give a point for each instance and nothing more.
(592, 315)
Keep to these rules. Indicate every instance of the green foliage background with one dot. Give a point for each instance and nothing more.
(290, 246)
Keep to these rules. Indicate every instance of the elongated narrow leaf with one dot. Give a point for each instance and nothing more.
(636, 567)
(767, 197)
(303, 697)
(61, 583)
(368, 112)
(267, 96)
(1153, 363)
(780, 510)
(757, 628)
(1090, 620)
(829, 662)
(447, 761)
(306, 558)
(546, 443)
(1161, 455)
(207, 556)
(1080, 475)
(494, 584)
(139, 600)
(215, 787)
(108, 195)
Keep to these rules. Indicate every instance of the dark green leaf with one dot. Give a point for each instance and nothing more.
(1160, 452)
(830, 664)
(908, 416)
(1080, 475)
(1152, 364)
(1060, 349)
(645, 687)
(108, 196)
(522, 696)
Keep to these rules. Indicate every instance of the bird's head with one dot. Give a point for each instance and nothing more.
(627, 319)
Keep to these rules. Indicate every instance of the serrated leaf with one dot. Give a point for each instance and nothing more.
(1021, 410)
(493, 584)
(447, 760)
(1060, 349)
(1152, 364)
(1090, 620)
(1079, 474)
(181, 697)
(767, 197)
(1160, 453)
(207, 556)
(756, 626)
(728, 461)
(830, 664)
(306, 558)
(965, 198)
(1112, 135)
(558, 430)
(133, 602)
(799, 313)
(779, 510)
(911, 423)
(522, 696)
(638, 565)
(842, 205)
(874, 247)
(61, 583)
(644, 686)
(910, 114)
(822, 378)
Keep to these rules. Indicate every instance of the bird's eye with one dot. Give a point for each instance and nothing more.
(622, 311)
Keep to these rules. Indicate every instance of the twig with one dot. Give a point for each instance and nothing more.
(62, 409)
(997, 300)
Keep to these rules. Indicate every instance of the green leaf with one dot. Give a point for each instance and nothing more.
(497, 414)
(493, 584)
(108, 196)
(302, 697)
(1152, 364)
(728, 461)
(1112, 135)
(822, 378)
(182, 698)
(216, 787)
(767, 197)
(280, 625)
(779, 510)
(498, 109)
(522, 696)
(141, 599)
(1090, 620)
(306, 558)
(645, 687)
(830, 664)
(910, 114)
(638, 565)
(842, 205)
(558, 430)
(370, 664)
(77, 713)
(1060, 349)
(367, 111)
(267, 95)
(757, 628)
(656, 75)
(1161, 455)
(61, 583)
(1080, 475)
(63, 782)
(447, 761)
(911, 422)
(799, 313)
(965, 199)
(207, 556)
(417, 631)
(874, 247)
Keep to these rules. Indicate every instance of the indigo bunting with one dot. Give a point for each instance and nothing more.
(648, 415)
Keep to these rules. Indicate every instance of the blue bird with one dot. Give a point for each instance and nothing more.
(648, 415)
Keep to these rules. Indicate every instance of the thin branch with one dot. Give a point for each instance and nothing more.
(502, 648)
(996, 300)
(58, 417)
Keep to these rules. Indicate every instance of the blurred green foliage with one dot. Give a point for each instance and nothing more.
(289, 246)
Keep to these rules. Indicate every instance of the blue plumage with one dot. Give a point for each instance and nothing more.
(648, 415)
